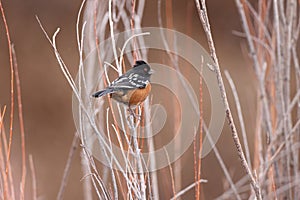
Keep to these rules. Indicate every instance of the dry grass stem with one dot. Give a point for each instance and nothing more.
(205, 23)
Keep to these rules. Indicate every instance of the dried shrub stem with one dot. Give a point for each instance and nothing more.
(11, 83)
(205, 23)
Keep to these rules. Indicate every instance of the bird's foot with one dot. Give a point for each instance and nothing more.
(132, 113)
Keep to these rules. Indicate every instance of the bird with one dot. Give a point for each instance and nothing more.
(132, 87)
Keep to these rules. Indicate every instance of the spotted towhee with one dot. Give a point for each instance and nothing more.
(131, 88)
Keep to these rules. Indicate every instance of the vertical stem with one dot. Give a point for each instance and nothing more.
(205, 23)
(257, 69)
(21, 122)
(67, 169)
(32, 169)
(138, 158)
(153, 171)
(87, 185)
(11, 84)
(198, 187)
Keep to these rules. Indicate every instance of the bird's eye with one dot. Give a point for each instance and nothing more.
(145, 69)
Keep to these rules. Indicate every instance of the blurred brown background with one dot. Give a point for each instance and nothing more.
(46, 95)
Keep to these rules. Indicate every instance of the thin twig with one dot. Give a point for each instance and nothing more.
(205, 23)
(198, 188)
(153, 172)
(3, 152)
(257, 69)
(138, 157)
(11, 84)
(171, 172)
(2, 117)
(113, 177)
(197, 195)
(87, 185)
(182, 192)
(111, 26)
(9, 188)
(240, 115)
(67, 169)
(33, 176)
(221, 162)
(21, 122)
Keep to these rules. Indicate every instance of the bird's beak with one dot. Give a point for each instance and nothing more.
(151, 71)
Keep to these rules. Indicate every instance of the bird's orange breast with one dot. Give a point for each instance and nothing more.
(139, 95)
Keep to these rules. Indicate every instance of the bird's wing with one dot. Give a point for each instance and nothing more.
(129, 82)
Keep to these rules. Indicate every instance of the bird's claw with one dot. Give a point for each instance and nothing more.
(132, 113)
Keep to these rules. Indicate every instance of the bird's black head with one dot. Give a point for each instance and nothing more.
(139, 62)
(141, 67)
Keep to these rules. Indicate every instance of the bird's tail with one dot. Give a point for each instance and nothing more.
(102, 92)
